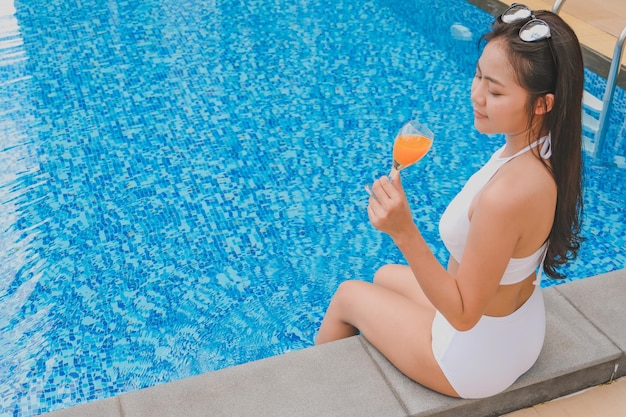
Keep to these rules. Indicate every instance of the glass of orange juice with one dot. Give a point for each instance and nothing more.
(413, 141)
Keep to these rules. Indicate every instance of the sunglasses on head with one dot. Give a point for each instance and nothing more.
(532, 31)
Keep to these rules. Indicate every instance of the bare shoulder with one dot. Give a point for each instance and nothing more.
(525, 178)
(524, 188)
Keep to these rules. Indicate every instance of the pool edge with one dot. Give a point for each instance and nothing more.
(585, 346)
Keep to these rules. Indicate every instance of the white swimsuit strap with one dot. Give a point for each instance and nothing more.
(545, 151)
(537, 281)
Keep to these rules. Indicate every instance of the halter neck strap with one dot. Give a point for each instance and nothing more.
(545, 151)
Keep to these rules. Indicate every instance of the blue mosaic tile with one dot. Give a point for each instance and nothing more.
(182, 181)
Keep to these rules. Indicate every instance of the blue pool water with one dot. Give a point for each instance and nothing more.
(181, 182)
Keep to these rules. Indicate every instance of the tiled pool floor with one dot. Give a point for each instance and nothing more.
(331, 380)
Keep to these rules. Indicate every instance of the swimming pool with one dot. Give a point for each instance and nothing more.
(182, 181)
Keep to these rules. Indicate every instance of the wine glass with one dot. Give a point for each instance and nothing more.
(412, 142)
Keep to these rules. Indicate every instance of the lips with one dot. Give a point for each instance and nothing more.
(479, 115)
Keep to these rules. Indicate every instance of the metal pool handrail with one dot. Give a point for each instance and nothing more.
(557, 6)
(608, 93)
(607, 100)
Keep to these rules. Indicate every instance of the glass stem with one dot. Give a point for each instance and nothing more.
(395, 168)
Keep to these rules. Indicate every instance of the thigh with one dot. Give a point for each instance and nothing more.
(398, 327)
(400, 279)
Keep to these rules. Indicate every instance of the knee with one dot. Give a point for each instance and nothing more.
(345, 292)
(383, 273)
(346, 288)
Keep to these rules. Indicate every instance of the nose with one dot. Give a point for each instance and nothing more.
(477, 96)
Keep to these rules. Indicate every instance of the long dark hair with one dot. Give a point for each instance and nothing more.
(555, 66)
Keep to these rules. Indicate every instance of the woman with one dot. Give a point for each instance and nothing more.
(471, 329)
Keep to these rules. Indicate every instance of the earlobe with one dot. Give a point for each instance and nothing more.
(544, 104)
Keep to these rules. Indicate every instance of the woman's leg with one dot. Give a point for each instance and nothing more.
(400, 279)
(395, 277)
(398, 326)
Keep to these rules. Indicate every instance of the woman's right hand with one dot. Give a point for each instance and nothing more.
(388, 208)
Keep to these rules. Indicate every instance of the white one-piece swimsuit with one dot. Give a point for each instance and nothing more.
(489, 357)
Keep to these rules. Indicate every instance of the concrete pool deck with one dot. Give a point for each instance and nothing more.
(585, 347)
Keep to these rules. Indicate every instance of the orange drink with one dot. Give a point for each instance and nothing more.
(410, 148)
(411, 144)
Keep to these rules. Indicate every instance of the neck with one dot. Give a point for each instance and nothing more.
(518, 141)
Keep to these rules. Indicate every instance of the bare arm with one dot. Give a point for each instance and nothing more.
(491, 241)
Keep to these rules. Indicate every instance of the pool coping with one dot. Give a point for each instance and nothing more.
(585, 346)
(597, 46)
